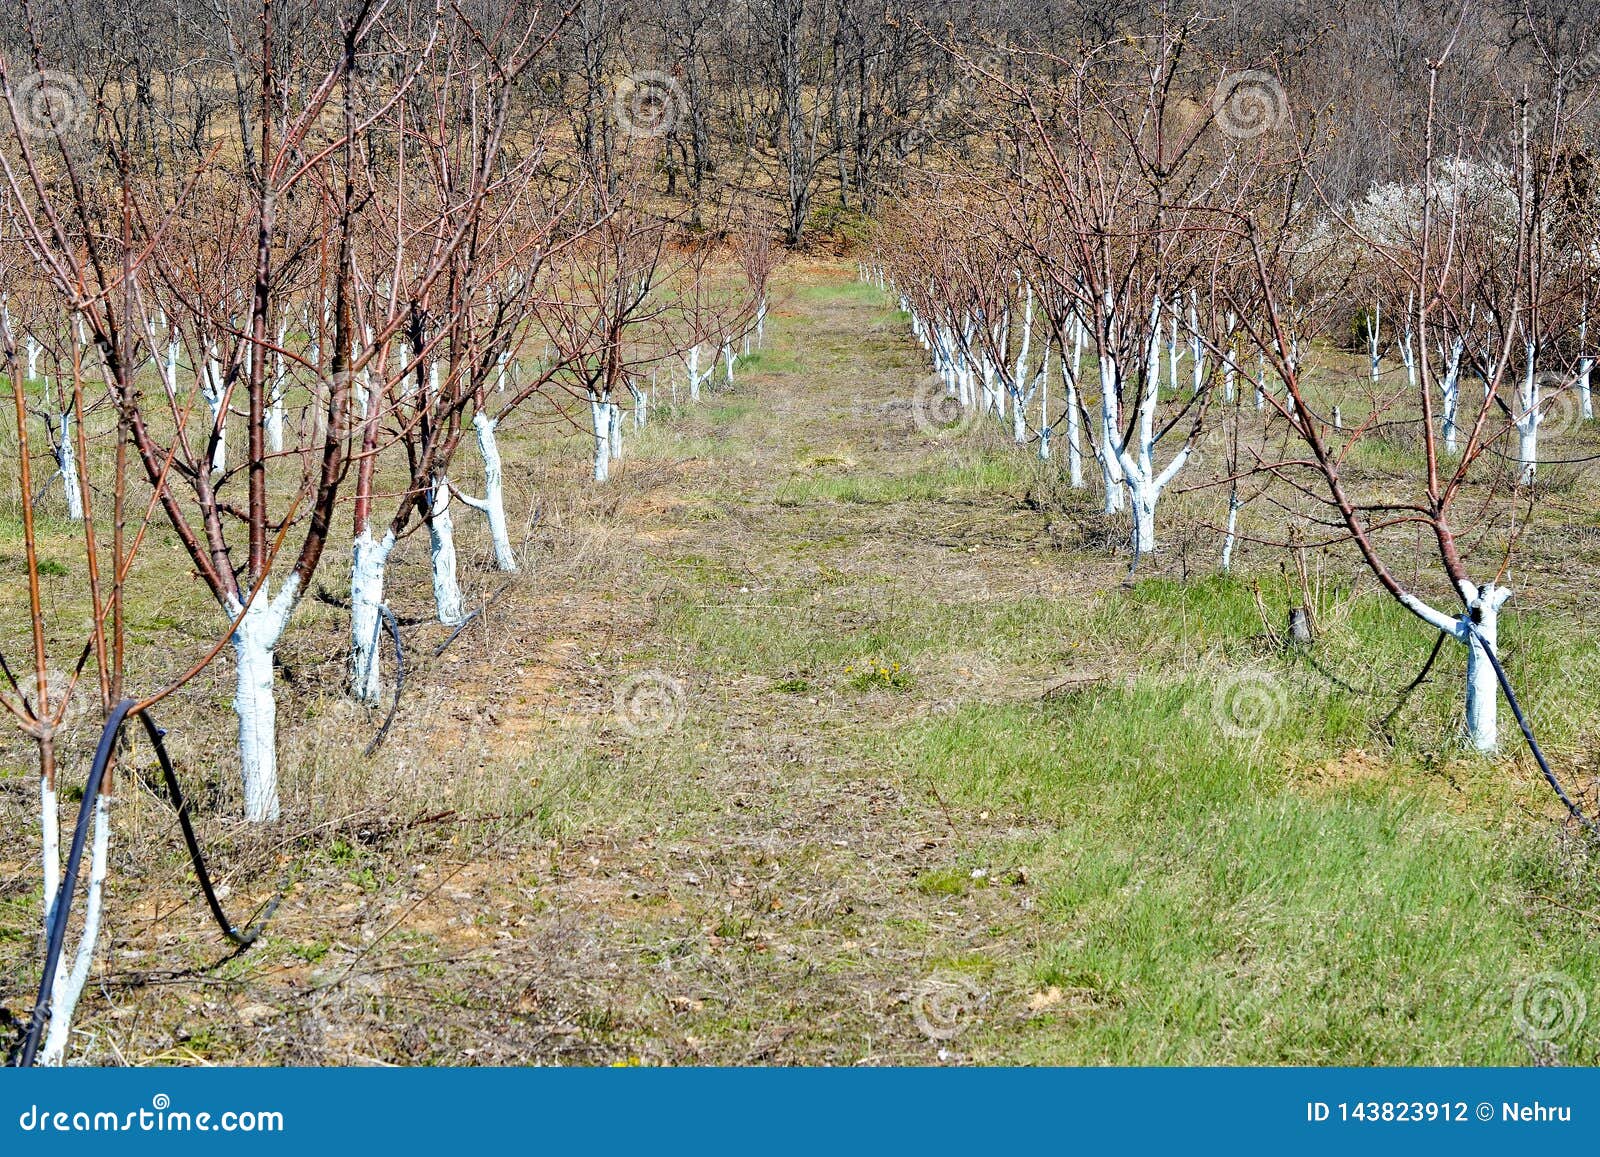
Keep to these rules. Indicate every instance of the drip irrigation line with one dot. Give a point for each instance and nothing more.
(181, 805)
(1527, 731)
(333, 600)
(467, 622)
(63, 905)
(62, 909)
(388, 620)
(1511, 698)
(1438, 645)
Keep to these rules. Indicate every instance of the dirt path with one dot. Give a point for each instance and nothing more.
(816, 736)
(735, 867)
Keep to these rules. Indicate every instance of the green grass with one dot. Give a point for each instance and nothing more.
(988, 473)
(941, 729)
(768, 361)
(1204, 902)
(845, 292)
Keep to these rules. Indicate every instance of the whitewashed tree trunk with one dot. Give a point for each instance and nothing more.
(67, 459)
(1407, 351)
(1233, 526)
(1197, 359)
(641, 403)
(493, 503)
(211, 389)
(1528, 419)
(442, 554)
(1042, 388)
(1450, 391)
(600, 420)
(69, 985)
(1230, 369)
(254, 641)
(369, 559)
(1019, 415)
(1110, 435)
(49, 843)
(1138, 466)
(695, 377)
(1374, 331)
(1482, 688)
(33, 359)
(1174, 348)
(1074, 429)
(1585, 367)
(274, 419)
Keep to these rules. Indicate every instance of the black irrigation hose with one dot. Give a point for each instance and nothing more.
(1438, 645)
(467, 622)
(62, 910)
(1527, 731)
(63, 905)
(399, 679)
(1516, 709)
(249, 935)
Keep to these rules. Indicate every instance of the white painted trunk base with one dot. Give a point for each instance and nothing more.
(493, 503)
(67, 458)
(442, 554)
(368, 563)
(69, 985)
(254, 641)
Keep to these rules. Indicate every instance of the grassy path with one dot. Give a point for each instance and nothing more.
(902, 773)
